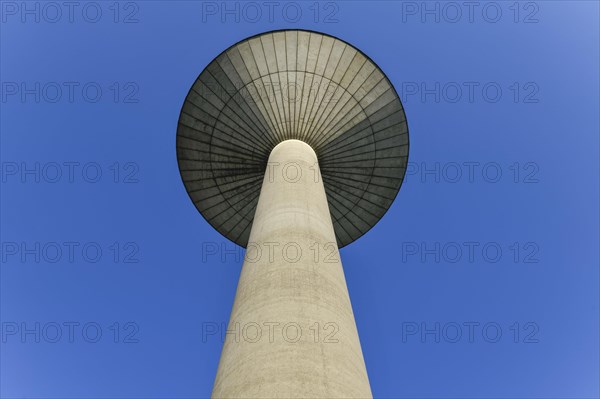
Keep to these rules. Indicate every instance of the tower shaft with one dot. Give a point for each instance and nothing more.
(292, 331)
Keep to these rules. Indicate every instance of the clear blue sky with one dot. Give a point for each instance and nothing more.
(406, 276)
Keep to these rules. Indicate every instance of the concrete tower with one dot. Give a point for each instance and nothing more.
(292, 144)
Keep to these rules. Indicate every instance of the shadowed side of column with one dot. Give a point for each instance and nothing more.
(292, 331)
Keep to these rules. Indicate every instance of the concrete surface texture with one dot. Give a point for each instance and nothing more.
(292, 84)
(292, 331)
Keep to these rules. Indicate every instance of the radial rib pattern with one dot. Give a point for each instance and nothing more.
(292, 84)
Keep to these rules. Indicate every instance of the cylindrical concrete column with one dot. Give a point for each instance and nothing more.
(292, 331)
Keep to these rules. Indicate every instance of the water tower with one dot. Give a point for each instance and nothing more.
(292, 144)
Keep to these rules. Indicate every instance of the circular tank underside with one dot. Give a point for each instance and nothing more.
(292, 84)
